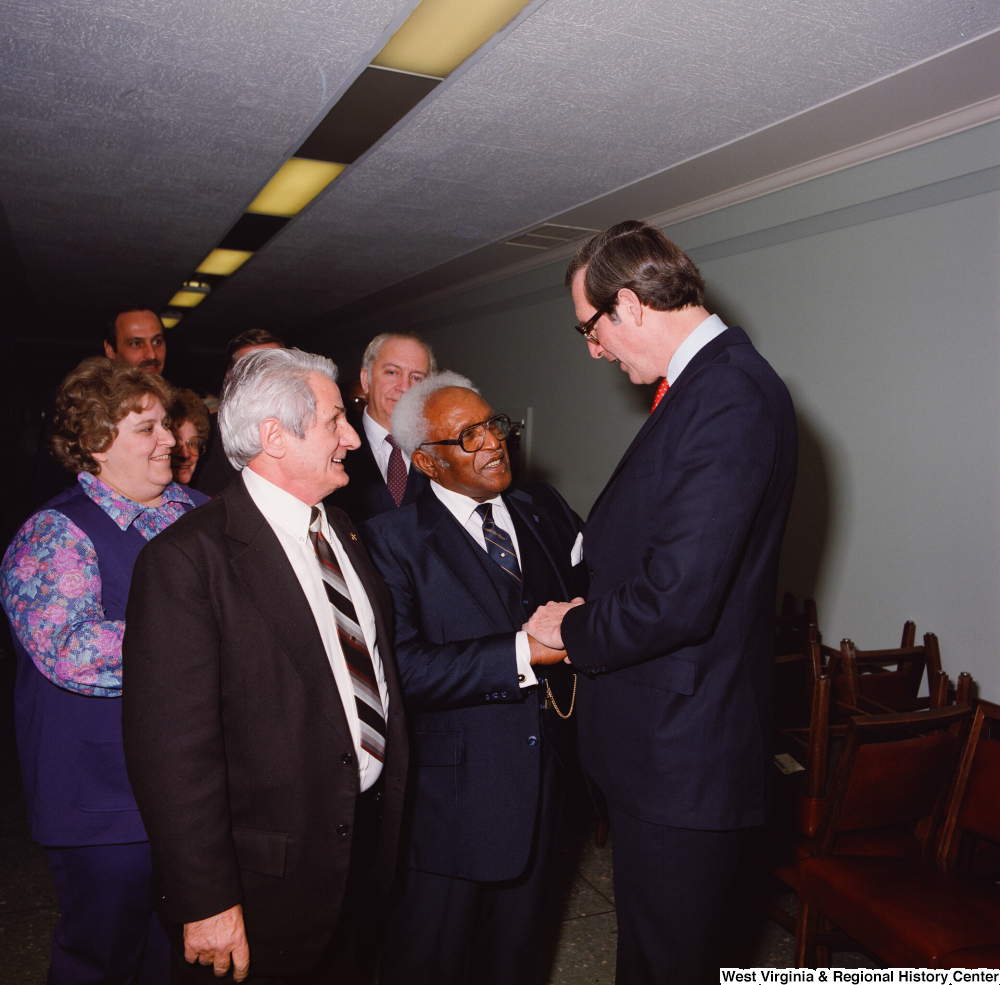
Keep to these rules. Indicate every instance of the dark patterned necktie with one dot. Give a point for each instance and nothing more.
(352, 642)
(498, 544)
(395, 477)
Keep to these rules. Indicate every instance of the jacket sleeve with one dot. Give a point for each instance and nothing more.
(702, 481)
(439, 673)
(173, 733)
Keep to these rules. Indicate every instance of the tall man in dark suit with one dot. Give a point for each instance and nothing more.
(262, 716)
(676, 635)
(467, 563)
(382, 476)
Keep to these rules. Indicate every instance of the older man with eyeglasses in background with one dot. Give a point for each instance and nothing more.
(467, 562)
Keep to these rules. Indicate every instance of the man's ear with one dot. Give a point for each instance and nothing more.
(426, 463)
(108, 351)
(273, 438)
(363, 376)
(630, 305)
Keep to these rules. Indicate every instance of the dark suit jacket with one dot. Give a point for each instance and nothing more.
(682, 544)
(476, 734)
(236, 741)
(366, 494)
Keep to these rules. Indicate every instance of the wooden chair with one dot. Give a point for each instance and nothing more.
(888, 796)
(862, 679)
(962, 693)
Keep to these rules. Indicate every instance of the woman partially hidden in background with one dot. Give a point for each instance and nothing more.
(64, 583)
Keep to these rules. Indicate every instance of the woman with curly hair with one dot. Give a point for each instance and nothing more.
(189, 423)
(64, 583)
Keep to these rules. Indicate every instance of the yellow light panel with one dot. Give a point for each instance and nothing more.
(187, 299)
(169, 321)
(223, 262)
(295, 185)
(440, 34)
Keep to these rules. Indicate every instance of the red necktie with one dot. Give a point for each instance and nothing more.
(660, 391)
(395, 477)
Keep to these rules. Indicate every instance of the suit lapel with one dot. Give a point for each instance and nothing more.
(462, 556)
(267, 576)
(731, 336)
(535, 523)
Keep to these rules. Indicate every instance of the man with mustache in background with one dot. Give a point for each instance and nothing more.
(135, 338)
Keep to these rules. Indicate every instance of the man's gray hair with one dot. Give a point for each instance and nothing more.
(375, 346)
(409, 426)
(268, 383)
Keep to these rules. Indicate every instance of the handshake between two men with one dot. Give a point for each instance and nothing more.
(544, 631)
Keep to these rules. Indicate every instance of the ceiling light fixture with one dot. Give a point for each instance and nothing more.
(170, 321)
(440, 34)
(190, 295)
(297, 182)
(222, 263)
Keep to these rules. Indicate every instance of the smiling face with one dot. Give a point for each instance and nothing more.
(624, 340)
(481, 475)
(139, 341)
(313, 466)
(138, 462)
(400, 364)
(186, 452)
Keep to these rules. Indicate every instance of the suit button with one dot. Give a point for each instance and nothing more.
(487, 697)
(525, 602)
(342, 830)
(503, 694)
(347, 758)
(532, 740)
(496, 694)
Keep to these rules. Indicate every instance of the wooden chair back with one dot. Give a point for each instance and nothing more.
(862, 676)
(974, 807)
(894, 772)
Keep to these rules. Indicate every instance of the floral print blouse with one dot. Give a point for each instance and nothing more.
(50, 588)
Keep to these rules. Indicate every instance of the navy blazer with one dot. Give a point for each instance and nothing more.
(677, 633)
(366, 493)
(236, 740)
(476, 734)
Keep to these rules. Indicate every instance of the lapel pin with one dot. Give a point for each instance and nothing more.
(536, 518)
(354, 536)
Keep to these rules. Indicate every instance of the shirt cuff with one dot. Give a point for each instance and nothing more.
(522, 649)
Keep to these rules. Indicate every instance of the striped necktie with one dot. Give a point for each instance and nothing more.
(352, 643)
(498, 544)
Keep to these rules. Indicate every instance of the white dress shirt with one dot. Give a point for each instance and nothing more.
(711, 327)
(381, 448)
(289, 518)
(463, 509)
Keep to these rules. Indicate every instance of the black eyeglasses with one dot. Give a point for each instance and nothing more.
(472, 438)
(587, 328)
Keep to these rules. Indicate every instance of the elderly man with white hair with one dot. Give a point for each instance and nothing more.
(263, 720)
(467, 563)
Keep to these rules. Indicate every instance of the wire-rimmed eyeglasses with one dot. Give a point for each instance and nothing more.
(472, 438)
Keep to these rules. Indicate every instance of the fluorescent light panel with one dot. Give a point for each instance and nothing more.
(187, 299)
(224, 262)
(296, 184)
(169, 321)
(440, 34)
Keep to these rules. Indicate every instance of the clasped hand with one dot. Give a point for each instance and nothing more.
(544, 628)
(211, 942)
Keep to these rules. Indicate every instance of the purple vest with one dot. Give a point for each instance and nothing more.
(70, 745)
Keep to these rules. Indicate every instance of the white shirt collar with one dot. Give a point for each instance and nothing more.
(459, 505)
(709, 329)
(278, 505)
(376, 433)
